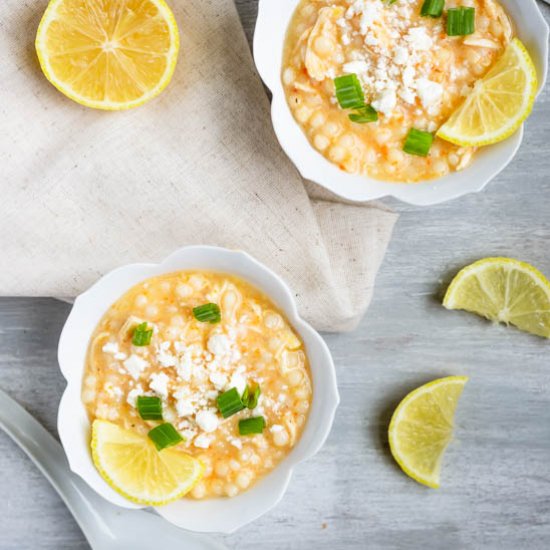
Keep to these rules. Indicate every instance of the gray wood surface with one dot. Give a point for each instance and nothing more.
(496, 479)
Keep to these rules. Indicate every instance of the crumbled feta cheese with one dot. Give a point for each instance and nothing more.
(202, 441)
(133, 394)
(188, 434)
(113, 349)
(212, 395)
(237, 443)
(184, 367)
(357, 67)
(180, 347)
(371, 40)
(135, 365)
(113, 391)
(237, 381)
(219, 380)
(432, 126)
(207, 421)
(165, 358)
(159, 384)
(369, 14)
(407, 95)
(200, 374)
(168, 414)
(185, 407)
(408, 76)
(430, 93)
(259, 411)
(218, 344)
(110, 347)
(419, 39)
(276, 428)
(401, 55)
(385, 101)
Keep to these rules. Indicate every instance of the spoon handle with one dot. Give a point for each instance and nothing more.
(105, 526)
(49, 457)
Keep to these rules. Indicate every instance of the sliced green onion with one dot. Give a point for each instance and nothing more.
(364, 114)
(230, 402)
(254, 425)
(432, 8)
(149, 408)
(253, 398)
(207, 313)
(461, 21)
(418, 143)
(390, 2)
(349, 92)
(142, 335)
(250, 397)
(165, 435)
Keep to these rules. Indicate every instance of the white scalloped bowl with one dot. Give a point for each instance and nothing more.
(223, 515)
(273, 19)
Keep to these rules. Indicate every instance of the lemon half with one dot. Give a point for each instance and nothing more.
(131, 464)
(421, 428)
(113, 54)
(499, 102)
(503, 290)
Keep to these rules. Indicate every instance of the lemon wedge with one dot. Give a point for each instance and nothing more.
(130, 464)
(421, 428)
(113, 54)
(503, 290)
(498, 104)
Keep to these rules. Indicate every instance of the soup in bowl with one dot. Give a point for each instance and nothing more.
(200, 370)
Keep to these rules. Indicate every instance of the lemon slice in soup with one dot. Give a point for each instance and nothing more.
(131, 464)
(498, 104)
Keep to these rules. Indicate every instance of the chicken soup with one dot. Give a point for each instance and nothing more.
(371, 81)
(212, 358)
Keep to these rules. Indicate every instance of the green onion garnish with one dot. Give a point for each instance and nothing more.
(432, 8)
(142, 335)
(364, 114)
(230, 402)
(250, 397)
(349, 92)
(207, 313)
(461, 21)
(253, 425)
(165, 435)
(149, 408)
(418, 142)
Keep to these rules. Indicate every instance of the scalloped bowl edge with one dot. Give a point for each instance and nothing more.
(222, 515)
(271, 25)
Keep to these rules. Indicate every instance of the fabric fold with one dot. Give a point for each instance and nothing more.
(86, 191)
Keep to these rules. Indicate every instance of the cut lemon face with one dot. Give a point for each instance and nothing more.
(108, 54)
(498, 104)
(130, 464)
(421, 428)
(503, 290)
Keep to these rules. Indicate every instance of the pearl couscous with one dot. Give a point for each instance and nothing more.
(156, 342)
(413, 75)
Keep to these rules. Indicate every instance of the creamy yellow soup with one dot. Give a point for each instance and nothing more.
(411, 73)
(189, 363)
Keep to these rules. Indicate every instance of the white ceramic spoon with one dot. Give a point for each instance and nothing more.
(107, 527)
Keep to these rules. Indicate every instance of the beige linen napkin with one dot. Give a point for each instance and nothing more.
(84, 191)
